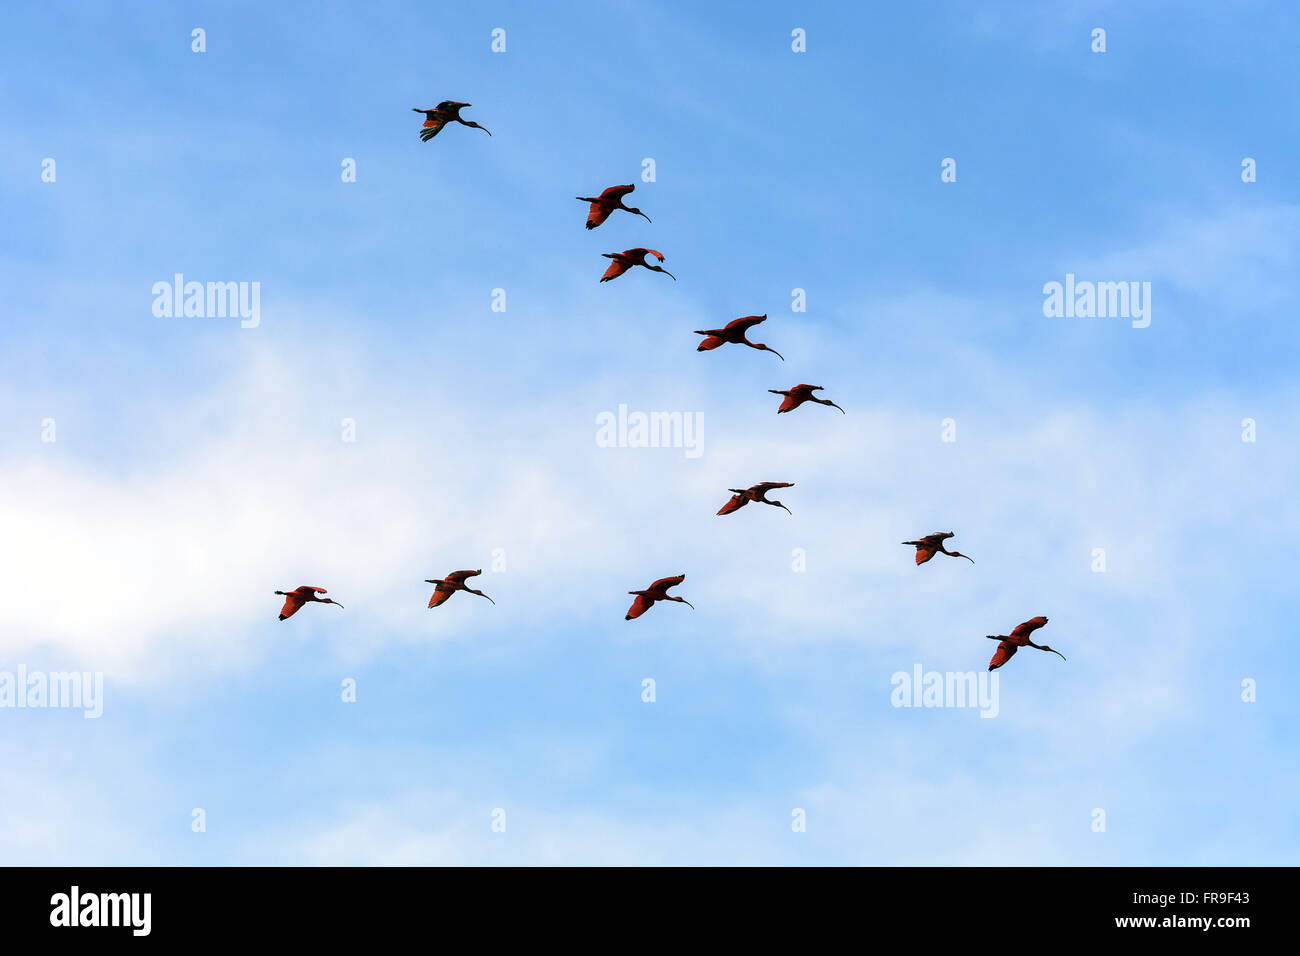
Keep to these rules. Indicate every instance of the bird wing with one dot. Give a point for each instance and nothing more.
(665, 583)
(790, 401)
(923, 554)
(460, 576)
(306, 590)
(614, 193)
(440, 594)
(657, 255)
(764, 487)
(746, 322)
(1006, 650)
(616, 268)
(1033, 624)
(433, 125)
(735, 504)
(639, 606)
(598, 212)
(710, 343)
(292, 601)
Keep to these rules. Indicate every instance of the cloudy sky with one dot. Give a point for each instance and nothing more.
(160, 477)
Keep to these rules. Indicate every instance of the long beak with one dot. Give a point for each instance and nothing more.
(482, 595)
(484, 129)
(336, 603)
(688, 604)
(668, 274)
(833, 405)
(966, 556)
(643, 215)
(769, 348)
(779, 505)
(1054, 651)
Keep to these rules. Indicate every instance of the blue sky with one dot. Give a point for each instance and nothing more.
(199, 466)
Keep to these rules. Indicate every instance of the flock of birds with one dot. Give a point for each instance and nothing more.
(733, 333)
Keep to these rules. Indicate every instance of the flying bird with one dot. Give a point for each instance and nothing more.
(448, 111)
(632, 257)
(302, 595)
(655, 592)
(932, 544)
(1007, 646)
(798, 395)
(741, 497)
(734, 332)
(609, 200)
(452, 583)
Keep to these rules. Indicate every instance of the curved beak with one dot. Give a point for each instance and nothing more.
(966, 556)
(336, 603)
(787, 510)
(688, 604)
(769, 348)
(643, 215)
(667, 273)
(833, 405)
(1054, 651)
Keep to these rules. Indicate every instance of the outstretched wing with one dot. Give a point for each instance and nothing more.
(433, 125)
(639, 607)
(460, 576)
(791, 401)
(763, 487)
(440, 594)
(598, 212)
(1006, 650)
(746, 323)
(923, 554)
(710, 343)
(614, 193)
(1033, 624)
(666, 583)
(616, 268)
(292, 601)
(735, 504)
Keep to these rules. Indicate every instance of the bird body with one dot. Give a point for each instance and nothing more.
(794, 397)
(299, 596)
(448, 111)
(1009, 644)
(734, 332)
(741, 497)
(446, 587)
(603, 206)
(932, 544)
(632, 257)
(656, 592)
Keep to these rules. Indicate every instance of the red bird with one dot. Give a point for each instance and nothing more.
(798, 395)
(740, 498)
(632, 257)
(734, 332)
(609, 200)
(448, 111)
(452, 583)
(1018, 638)
(932, 544)
(655, 592)
(302, 595)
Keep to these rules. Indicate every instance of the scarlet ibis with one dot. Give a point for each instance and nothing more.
(632, 257)
(734, 332)
(448, 111)
(741, 497)
(1008, 645)
(302, 595)
(452, 583)
(655, 592)
(609, 200)
(932, 544)
(798, 395)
